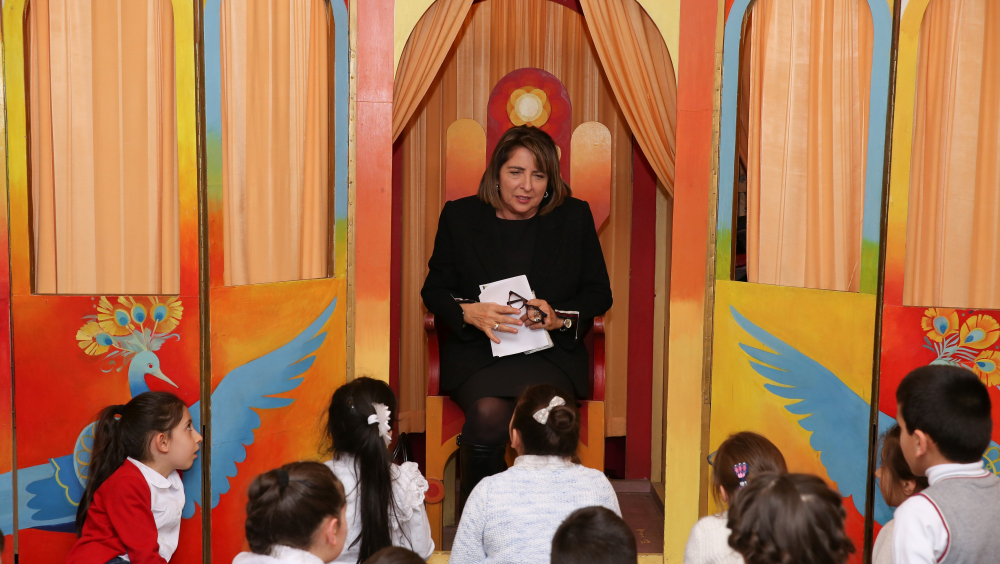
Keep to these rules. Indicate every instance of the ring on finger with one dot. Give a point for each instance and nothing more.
(496, 325)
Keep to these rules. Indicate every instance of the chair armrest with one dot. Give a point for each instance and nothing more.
(433, 356)
(597, 375)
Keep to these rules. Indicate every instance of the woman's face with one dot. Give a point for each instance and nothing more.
(522, 185)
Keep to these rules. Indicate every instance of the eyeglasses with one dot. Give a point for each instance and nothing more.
(518, 301)
(711, 457)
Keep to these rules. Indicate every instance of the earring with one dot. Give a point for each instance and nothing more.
(546, 194)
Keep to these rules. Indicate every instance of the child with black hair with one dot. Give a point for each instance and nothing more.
(385, 501)
(295, 515)
(131, 508)
(395, 555)
(594, 535)
(897, 483)
(943, 413)
(512, 516)
(789, 518)
(740, 458)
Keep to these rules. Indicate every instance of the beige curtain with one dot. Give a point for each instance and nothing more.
(635, 60)
(275, 141)
(806, 104)
(953, 230)
(497, 37)
(103, 147)
(429, 43)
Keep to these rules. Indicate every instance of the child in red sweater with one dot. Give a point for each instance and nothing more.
(134, 496)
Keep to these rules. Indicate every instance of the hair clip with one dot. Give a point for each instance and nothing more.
(542, 415)
(381, 417)
(282, 480)
(741, 470)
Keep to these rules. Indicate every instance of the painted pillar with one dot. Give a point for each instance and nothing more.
(372, 240)
(690, 281)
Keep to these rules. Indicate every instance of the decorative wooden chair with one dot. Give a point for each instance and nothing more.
(445, 418)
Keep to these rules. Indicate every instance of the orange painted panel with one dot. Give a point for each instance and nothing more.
(466, 159)
(375, 61)
(591, 166)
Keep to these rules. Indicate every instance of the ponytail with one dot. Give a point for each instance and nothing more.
(123, 431)
(285, 506)
(559, 434)
(349, 432)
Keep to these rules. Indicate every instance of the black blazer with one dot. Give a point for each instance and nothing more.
(567, 270)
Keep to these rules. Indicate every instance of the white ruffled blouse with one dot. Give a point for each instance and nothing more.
(410, 529)
(280, 554)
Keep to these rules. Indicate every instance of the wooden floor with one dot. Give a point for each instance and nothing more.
(641, 508)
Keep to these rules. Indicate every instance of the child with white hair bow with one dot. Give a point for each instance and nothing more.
(385, 502)
(511, 517)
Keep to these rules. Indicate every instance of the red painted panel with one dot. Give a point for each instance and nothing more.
(375, 53)
(374, 200)
(641, 294)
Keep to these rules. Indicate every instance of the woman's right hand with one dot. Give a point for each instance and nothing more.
(490, 318)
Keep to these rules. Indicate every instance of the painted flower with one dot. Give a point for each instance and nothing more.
(939, 323)
(979, 332)
(987, 367)
(166, 314)
(115, 320)
(93, 339)
(529, 105)
(135, 309)
(991, 458)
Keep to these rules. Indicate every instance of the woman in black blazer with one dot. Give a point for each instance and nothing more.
(523, 221)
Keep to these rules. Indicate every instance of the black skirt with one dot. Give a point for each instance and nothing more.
(508, 376)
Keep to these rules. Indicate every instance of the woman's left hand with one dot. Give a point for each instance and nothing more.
(550, 321)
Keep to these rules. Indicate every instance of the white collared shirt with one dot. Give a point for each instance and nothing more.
(280, 554)
(167, 502)
(920, 535)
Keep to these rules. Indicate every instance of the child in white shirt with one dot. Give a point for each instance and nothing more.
(897, 483)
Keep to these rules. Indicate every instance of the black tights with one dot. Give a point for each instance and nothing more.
(487, 421)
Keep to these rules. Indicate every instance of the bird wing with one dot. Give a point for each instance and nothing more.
(245, 388)
(836, 416)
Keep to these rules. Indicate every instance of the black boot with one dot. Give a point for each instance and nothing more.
(478, 462)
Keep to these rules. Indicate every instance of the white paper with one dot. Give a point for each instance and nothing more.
(525, 340)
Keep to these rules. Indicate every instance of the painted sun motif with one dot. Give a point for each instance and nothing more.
(979, 332)
(93, 339)
(115, 320)
(939, 323)
(529, 106)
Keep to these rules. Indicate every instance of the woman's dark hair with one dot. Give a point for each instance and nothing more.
(894, 463)
(546, 155)
(286, 505)
(559, 435)
(759, 454)
(786, 518)
(594, 535)
(395, 555)
(124, 431)
(952, 406)
(348, 431)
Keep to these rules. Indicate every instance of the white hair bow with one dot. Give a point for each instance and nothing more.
(381, 416)
(542, 415)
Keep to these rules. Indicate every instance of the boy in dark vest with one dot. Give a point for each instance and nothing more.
(944, 415)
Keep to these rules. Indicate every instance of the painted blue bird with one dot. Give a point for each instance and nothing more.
(48, 494)
(835, 415)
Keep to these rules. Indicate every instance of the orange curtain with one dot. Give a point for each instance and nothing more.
(497, 37)
(103, 147)
(635, 60)
(275, 141)
(429, 43)
(953, 232)
(806, 104)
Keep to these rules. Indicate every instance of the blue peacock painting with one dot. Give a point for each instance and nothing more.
(129, 336)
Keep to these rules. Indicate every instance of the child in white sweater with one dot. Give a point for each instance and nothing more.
(295, 515)
(512, 517)
(897, 483)
(738, 460)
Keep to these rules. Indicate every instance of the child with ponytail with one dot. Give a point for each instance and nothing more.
(295, 514)
(512, 517)
(740, 458)
(385, 502)
(132, 504)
